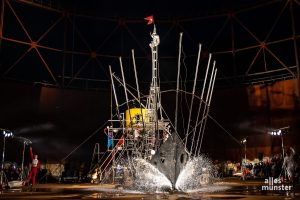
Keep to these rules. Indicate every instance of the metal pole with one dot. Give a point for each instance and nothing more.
(178, 75)
(119, 81)
(23, 155)
(111, 106)
(201, 99)
(245, 153)
(193, 93)
(205, 106)
(2, 164)
(139, 97)
(137, 86)
(135, 75)
(125, 89)
(114, 90)
(282, 146)
(208, 107)
(245, 163)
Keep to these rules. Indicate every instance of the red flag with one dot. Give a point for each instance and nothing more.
(149, 19)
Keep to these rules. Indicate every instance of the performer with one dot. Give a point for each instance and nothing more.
(290, 166)
(35, 165)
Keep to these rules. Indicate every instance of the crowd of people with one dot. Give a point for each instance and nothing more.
(273, 166)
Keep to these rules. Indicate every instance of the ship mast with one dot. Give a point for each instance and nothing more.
(154, 99)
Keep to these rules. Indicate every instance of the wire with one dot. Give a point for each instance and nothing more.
(236, 140)
(89, 137)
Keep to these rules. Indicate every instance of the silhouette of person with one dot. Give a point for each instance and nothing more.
(290, 166)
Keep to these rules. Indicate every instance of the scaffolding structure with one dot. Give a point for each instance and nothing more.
(139, 132)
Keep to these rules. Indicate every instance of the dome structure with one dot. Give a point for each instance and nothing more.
(69, 44)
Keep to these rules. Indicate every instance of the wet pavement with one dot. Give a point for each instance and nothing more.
(223, 189)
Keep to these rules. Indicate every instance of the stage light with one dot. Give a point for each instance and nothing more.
(280, 132)
(115, 130)
(152, 152)
(7, 133)
(243, 141)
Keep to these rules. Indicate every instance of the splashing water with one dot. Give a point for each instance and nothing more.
(149, 178)
(197, 172)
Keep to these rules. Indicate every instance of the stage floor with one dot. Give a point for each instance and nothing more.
(231, 188)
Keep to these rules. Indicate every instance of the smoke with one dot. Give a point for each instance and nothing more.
(248, 125)
(35, 128)
(51, 148)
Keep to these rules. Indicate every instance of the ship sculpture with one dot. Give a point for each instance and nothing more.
(141, 137)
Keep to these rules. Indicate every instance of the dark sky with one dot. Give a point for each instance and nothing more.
(161, 9)
(93, 34)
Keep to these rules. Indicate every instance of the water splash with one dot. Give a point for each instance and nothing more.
(197, 172)
(149, 178)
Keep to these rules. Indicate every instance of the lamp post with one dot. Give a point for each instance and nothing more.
(25, 142)
(280, 132)
(6, 134)
(244, 142)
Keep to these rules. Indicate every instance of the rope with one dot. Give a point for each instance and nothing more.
(236, 140)
(77, 147)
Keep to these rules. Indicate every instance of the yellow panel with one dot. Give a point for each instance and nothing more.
(136, 117)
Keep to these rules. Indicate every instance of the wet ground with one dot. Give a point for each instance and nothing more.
(232, 188)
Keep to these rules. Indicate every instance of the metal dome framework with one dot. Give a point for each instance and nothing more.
(41, 43)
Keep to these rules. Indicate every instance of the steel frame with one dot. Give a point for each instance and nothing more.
(231, 19)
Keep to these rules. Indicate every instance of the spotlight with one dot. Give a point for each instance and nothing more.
(280, 132)
(243, 141)
(7, 134)
(115, 130)
(152, 152)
